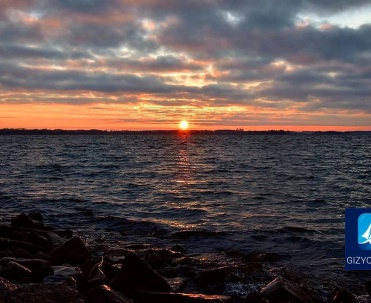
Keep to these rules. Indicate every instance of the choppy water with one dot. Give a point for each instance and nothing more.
(282, 193)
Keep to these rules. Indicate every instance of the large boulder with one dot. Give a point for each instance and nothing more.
(73, 251)
(135, 274)
(26, 221)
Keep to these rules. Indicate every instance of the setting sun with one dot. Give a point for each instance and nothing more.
(183, 125)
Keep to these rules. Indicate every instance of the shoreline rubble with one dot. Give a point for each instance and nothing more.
(37, 262)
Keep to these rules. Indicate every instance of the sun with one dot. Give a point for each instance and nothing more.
(183, 125)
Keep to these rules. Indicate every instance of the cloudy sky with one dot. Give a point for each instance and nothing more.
(147, 64)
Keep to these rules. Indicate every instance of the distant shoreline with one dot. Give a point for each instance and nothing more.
(21, 131)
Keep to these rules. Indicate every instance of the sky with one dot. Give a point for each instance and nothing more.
(219, 64)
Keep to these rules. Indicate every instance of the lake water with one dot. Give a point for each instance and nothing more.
(237, 191)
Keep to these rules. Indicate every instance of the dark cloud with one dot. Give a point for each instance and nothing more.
(213, 52)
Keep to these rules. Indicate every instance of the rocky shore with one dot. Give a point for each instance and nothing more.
(39, 263)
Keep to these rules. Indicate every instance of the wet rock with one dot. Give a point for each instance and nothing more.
(19, 248)
(39, 274)
(55, 240)
(163, 297)
(216, 276)
(111, 271)
(46, 293)
(178, 248)
(73, 251)
(343, 296)
(86, 285)
(31, 264)
(25, 221)
(6, 288)
(63, 273)
(135, 274)
(282, 290)
(104, 293)
(36, 216)
(177, 284)
(159, 258)
(15, 272)
(66, 234)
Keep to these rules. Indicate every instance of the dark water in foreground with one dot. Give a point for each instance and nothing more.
(278, 193)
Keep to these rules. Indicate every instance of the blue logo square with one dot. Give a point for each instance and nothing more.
(358, 239)
(364, 231)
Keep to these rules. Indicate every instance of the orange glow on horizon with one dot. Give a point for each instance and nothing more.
(126, 117)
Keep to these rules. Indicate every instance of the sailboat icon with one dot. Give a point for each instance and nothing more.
(366, 236)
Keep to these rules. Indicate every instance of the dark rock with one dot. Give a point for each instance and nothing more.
(31, 264)
(86, 285)
(25, 221)
(6, 288)
(15, 272)
(178, 248)
(104, 294)
(343, 296)
(39, 274)
(163, 297)
(111, 271)
(36, 216)
(135, 274)
(73, 251)
(282, 290)
(177, 284)
(19, 247)
(158, 258)
(368, 287)
(216, 276)
(63, 273)
(66, 234)
(46, 293)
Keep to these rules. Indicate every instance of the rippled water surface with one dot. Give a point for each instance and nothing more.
(282, 193)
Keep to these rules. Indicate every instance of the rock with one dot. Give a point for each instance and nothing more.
(111, 271)
(63, 273)
(145, 297)
(177, 284)
(6, 288)
(39, 274)
(86, 285)
(158, 258)
(66, 234)
(135, 274)
(25, 221)
(343, 296)
(31, 264)
(73, 251)
(19, 247)
(36, 216)
(104, 293)
(15, 272)
(46, 293)
(216, 276)
(282, 290)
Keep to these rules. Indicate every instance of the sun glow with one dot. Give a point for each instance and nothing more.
(183, 125)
